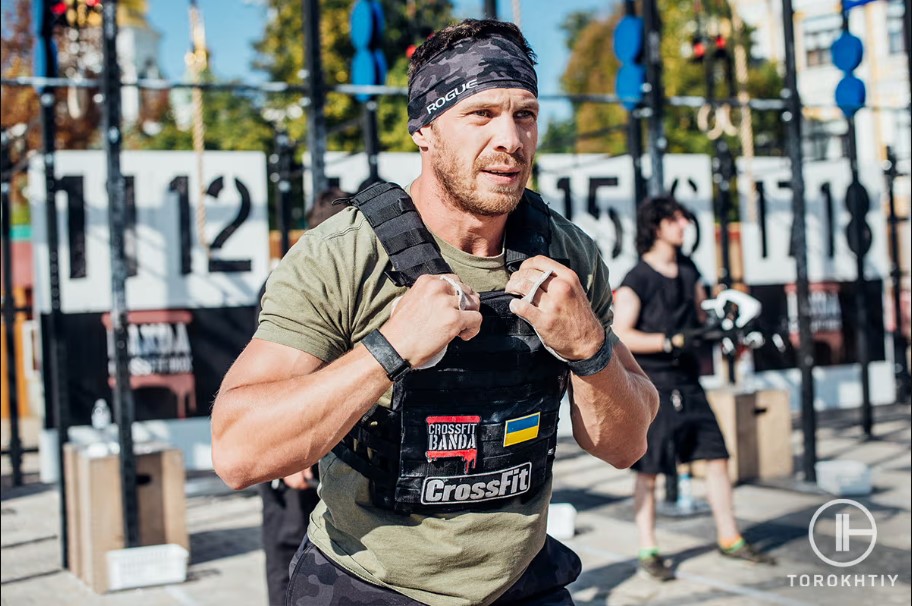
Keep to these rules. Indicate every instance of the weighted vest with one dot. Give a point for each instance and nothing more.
(479, 428)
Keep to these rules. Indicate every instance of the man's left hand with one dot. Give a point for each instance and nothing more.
(559, 309)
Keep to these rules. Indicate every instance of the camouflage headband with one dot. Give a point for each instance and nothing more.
(469, 67)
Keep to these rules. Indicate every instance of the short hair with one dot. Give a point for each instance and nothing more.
(468, 29)
(650, 215)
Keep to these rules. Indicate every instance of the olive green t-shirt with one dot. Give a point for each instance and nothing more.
(327, 294)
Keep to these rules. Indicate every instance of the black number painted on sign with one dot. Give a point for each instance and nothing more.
(694, 189)
(595, 183)
(74, 188)
(826, 193)
(181, 186)
(229, 265)
(130, 242)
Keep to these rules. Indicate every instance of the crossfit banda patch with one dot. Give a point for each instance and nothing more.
(475, 488)
(453, 436)
(522, 429)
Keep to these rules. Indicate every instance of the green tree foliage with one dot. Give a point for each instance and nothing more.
(281, 56)
(233, 121)
(592, 69)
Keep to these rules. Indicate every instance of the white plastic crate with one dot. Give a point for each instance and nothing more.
(144, 566)
(844, 478)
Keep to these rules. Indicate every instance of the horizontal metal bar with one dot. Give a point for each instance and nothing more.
(23, 450)
(759, 104)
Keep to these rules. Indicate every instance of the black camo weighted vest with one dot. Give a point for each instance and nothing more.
(480, 427)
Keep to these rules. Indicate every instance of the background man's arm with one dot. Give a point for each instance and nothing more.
(626, 313)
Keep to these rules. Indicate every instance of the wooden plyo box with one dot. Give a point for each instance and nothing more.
(757, 427)
(774, 428)
(95, 511)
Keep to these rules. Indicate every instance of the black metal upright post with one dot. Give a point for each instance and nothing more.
(655, 96)
(316, 121)
(490, 9)
(635, 134)
(900, 365)
(55, 359)
(858, 226)
(792, 118)
(9, 309)
(284, 159)
(371, 141)
(123, 395)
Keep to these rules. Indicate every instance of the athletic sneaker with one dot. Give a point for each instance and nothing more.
(656, 567)
(746, 551)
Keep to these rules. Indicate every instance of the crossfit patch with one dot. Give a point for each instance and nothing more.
(475, 488)
(522, 429)
(453, 436)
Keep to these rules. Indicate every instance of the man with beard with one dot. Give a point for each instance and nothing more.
(658, 306)
(418, 345)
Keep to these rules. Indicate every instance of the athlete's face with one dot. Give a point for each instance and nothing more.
(481, 150)
(672, 229)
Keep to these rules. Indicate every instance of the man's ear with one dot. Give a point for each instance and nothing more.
(421, 137)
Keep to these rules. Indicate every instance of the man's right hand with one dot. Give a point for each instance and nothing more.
(430, 315)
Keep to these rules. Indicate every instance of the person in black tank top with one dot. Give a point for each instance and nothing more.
(655, 306)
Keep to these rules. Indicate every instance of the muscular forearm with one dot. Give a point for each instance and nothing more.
(612, 410)
(263, 431)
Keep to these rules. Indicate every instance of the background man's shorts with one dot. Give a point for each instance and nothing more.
(685, 429)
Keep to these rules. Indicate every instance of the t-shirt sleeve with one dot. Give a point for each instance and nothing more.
(634, 280)
(600, 294)
(306, 304)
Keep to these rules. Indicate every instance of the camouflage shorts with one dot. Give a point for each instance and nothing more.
(317, 581)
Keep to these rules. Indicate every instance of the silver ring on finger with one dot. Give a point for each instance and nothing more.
(462, 300)
(536, 285)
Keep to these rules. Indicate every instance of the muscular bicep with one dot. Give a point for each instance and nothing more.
(266, 362)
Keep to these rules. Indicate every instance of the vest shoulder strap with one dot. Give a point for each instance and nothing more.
(528, 231)
(411, 247)
(394, 218)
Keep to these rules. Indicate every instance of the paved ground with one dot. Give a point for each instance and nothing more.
(227, 561)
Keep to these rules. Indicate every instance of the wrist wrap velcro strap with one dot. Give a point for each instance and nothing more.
(394, 364)
(595, 364)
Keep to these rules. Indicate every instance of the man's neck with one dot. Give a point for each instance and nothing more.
(662, 254)
(477, 235)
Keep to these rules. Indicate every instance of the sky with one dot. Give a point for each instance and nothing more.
(232, 26)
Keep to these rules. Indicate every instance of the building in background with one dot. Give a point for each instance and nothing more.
(886, 119)
(137, 50)
(884, 71)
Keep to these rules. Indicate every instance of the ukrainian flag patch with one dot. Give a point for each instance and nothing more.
(522, 429)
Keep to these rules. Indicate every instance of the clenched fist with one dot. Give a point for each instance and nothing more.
(558, 309)
(434, 311)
